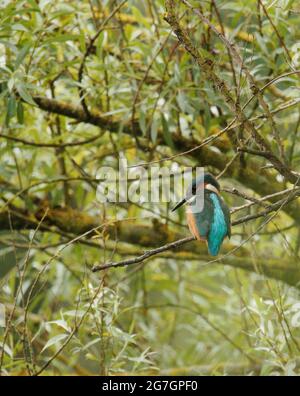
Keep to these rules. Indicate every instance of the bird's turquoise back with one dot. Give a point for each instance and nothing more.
(212, 223)
(219, 227)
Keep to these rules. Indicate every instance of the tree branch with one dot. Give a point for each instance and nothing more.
(219, 85)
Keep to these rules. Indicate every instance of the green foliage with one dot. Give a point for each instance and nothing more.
(176, 313)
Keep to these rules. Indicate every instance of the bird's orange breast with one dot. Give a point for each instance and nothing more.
(192, 225)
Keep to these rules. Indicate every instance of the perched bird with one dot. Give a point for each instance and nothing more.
(209, 218)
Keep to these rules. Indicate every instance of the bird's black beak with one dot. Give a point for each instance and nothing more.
(183, 201)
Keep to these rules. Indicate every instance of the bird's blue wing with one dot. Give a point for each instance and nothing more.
(220, 226)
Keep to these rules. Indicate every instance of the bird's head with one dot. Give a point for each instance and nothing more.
(198, 185)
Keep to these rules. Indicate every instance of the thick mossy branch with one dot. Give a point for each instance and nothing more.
(262, 181)
(78, 113)
(73, 221)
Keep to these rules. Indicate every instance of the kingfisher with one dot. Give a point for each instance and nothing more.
(208, 216)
